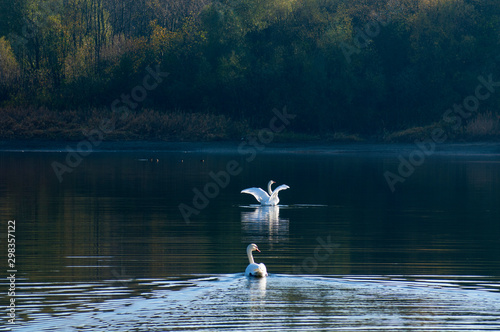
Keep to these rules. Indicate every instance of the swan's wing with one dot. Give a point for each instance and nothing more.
(252, 270)
(262, 269)
(256, 270)
(278, 189)
(259, 194)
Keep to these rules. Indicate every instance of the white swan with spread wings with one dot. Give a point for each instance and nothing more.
(264, 198)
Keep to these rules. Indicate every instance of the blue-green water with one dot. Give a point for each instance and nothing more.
(108, 248)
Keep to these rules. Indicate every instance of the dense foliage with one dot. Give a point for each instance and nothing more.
(362, 66)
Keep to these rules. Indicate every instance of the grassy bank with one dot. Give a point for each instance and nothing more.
(481, 127)
(40, 123)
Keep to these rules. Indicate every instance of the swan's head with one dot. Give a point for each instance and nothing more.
(253, 247)
(271, 182)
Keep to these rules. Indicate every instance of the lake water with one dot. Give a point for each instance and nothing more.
(109, 249)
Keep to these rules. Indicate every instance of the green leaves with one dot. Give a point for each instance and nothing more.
(361, 65)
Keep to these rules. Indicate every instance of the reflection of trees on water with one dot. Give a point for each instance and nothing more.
(264, 223)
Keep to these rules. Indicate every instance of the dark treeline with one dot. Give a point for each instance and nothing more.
(363, 66)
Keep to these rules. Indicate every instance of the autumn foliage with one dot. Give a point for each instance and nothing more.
(354, 66)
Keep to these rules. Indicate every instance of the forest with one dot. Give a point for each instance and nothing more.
(368, 68)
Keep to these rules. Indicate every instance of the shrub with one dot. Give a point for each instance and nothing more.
(484, 125)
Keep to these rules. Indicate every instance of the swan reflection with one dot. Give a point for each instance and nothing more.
(257, 287)
(256, 297)
(264, 223)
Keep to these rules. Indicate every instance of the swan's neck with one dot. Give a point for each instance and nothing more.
(269, 188)
(250, 256)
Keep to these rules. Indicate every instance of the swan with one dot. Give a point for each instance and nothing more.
(264, 198)
(253, 269)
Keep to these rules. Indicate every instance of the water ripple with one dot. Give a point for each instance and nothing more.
(235, 303)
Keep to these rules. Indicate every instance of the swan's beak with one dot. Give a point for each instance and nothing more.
(257, 249)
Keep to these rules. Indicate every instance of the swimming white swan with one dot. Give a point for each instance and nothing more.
(253, 269)
(262, 197)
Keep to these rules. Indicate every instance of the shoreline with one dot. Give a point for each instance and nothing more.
(232, 147)
(102, 125)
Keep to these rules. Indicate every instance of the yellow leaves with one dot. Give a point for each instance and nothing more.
(230, 68)
(282, 8)
(161, 39)
(339, 28)
(160, 36)
(187, 37)
(9, 68)
(78, 61)
(443, 27)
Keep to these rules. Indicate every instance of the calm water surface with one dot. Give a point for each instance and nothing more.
(107, 249)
